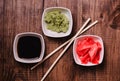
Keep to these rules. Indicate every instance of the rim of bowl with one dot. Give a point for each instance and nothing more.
(75, 54)
(31, 60)
(71, 24)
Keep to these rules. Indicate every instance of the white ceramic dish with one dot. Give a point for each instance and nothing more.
(30, 60)
(50, 33)
(76, 57)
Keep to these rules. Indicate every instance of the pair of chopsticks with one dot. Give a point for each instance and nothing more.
(69, 42)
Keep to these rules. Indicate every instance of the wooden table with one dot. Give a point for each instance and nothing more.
(18, 16)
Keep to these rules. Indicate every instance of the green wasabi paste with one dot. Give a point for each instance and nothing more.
(56, 21)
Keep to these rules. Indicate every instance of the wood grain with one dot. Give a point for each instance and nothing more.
(18, 16)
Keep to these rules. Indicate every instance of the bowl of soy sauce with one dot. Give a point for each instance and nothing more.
(28, 47)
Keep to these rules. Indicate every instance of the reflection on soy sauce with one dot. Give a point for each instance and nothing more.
(115, 18)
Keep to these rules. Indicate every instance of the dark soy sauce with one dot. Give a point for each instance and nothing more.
(29, 47)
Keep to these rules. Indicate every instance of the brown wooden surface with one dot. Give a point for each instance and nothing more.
(18, 16)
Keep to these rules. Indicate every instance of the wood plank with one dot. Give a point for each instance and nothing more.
(20, 16)
(106, 71)
(1, 37)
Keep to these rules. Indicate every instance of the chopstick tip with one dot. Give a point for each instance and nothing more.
(89, 19)
(31, 68)
(97, 21)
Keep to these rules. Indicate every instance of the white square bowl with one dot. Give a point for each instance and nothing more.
(50, 33)
(95, 38)
(28, 60)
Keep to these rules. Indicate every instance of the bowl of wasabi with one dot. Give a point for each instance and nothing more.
(57, 22)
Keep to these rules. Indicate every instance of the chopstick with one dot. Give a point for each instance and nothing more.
(58, 48)
(62, 53)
